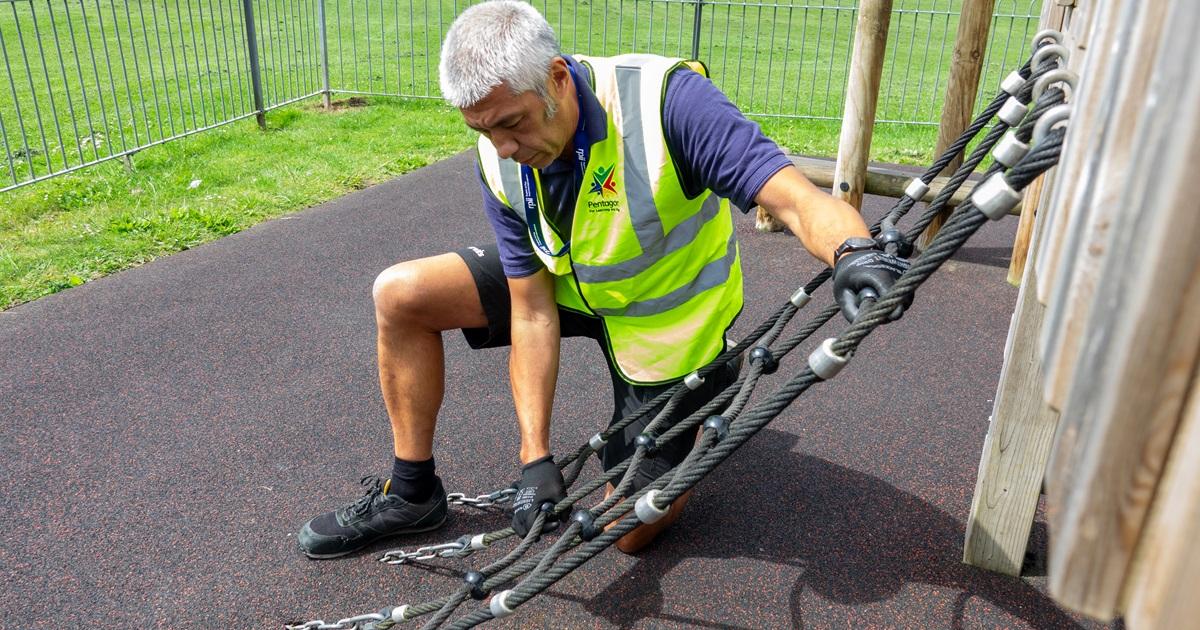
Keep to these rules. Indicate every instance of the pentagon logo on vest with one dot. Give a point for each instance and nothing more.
(604, 184)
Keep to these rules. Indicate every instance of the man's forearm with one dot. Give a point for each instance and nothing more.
(533, 367)
(820, 221)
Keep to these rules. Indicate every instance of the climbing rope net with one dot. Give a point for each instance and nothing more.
(1025, 141)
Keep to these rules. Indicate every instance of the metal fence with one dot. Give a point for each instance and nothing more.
(93, 80)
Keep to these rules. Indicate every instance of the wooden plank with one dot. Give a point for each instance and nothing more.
(862, 96)
(1143, 334)
(1092, 210)
(880, 180)
(1162, 588)
(1015, 451)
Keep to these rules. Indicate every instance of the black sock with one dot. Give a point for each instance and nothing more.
(413, 481)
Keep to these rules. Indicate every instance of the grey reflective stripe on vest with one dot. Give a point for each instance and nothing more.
(510, 179)
(713, 274)
(643, 213)
(679, 237)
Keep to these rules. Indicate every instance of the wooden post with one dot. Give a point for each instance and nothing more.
(970, 43)
(1162, 587)
(1143, 336)
(862, 95)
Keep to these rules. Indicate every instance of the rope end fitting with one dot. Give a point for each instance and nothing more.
(1010, 150)
(916, 189)
(800, 298)
(994, 197)
(475, 579)
(1013, 83)
(693, 380)
(647, 442)
(646, 511)
(597, 442)
(587, 524)
(824, 362)
(499, 605)
(399, 614)
(1013, 112)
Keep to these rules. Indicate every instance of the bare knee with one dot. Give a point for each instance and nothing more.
(397, 293)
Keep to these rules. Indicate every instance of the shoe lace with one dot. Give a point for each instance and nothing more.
(374, 489)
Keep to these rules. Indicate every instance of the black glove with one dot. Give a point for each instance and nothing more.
(866, 274)
(541, 481)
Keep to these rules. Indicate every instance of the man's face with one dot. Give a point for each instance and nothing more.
(517, 124)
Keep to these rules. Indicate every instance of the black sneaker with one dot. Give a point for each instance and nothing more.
(375, 516)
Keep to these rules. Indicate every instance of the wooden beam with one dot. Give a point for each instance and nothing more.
(1162, 587)
(966, 64)
(1143, 335)
(880, 180)
(862, 96)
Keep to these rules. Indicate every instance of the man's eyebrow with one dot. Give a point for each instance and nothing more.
(503, 122)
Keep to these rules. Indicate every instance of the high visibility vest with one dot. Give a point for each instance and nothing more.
(660, 269)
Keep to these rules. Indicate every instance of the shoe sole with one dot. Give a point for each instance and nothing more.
(413, 530)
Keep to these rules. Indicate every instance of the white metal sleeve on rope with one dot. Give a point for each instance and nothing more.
(824, 362)
(1013, 83)
(477, 542)
(597, 442)
(800, 298)
(916, 189)
(400, 614)
(1013, 112)
(646, 511)
(994, 197)
(1010, 149)
(499, 604)
(693, 380)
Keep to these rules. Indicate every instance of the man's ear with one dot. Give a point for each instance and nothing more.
(560, 74)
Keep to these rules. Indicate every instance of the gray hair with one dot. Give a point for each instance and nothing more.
(502, 41)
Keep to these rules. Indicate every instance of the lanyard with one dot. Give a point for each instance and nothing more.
(529, 187)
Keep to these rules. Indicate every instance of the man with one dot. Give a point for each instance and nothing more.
(607, 183)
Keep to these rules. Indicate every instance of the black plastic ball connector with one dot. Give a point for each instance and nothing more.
(475, 579)
(648, 442)
(903, 248)
(763, 355)
(719, 425)
(587, 524)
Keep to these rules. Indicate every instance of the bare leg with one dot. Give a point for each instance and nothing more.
(414, 302)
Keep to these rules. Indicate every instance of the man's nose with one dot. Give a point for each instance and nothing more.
(505, 145)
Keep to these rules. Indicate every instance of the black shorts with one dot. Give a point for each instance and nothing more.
(488, 273)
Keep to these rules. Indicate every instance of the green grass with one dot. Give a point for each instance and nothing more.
(70, 229)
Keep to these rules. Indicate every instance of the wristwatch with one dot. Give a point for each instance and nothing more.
(854, 244)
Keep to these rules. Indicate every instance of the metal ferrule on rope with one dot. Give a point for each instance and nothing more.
(826, 363)
(646, 511)
(499, 604)
(1013, 112)
(1009, 150)
(916, 189)
(693, 380)
(800, 298)
(597, 442)
(995, 197)
(1013, 83)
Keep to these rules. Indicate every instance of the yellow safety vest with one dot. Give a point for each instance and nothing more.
(660, 269)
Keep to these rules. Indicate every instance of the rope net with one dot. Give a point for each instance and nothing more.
(729, 419)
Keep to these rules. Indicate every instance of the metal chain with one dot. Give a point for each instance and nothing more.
(482, 501)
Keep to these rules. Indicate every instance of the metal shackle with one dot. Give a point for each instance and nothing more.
(1057, 50)
(1053, 116)
(1045, 34)
(1061, 75)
